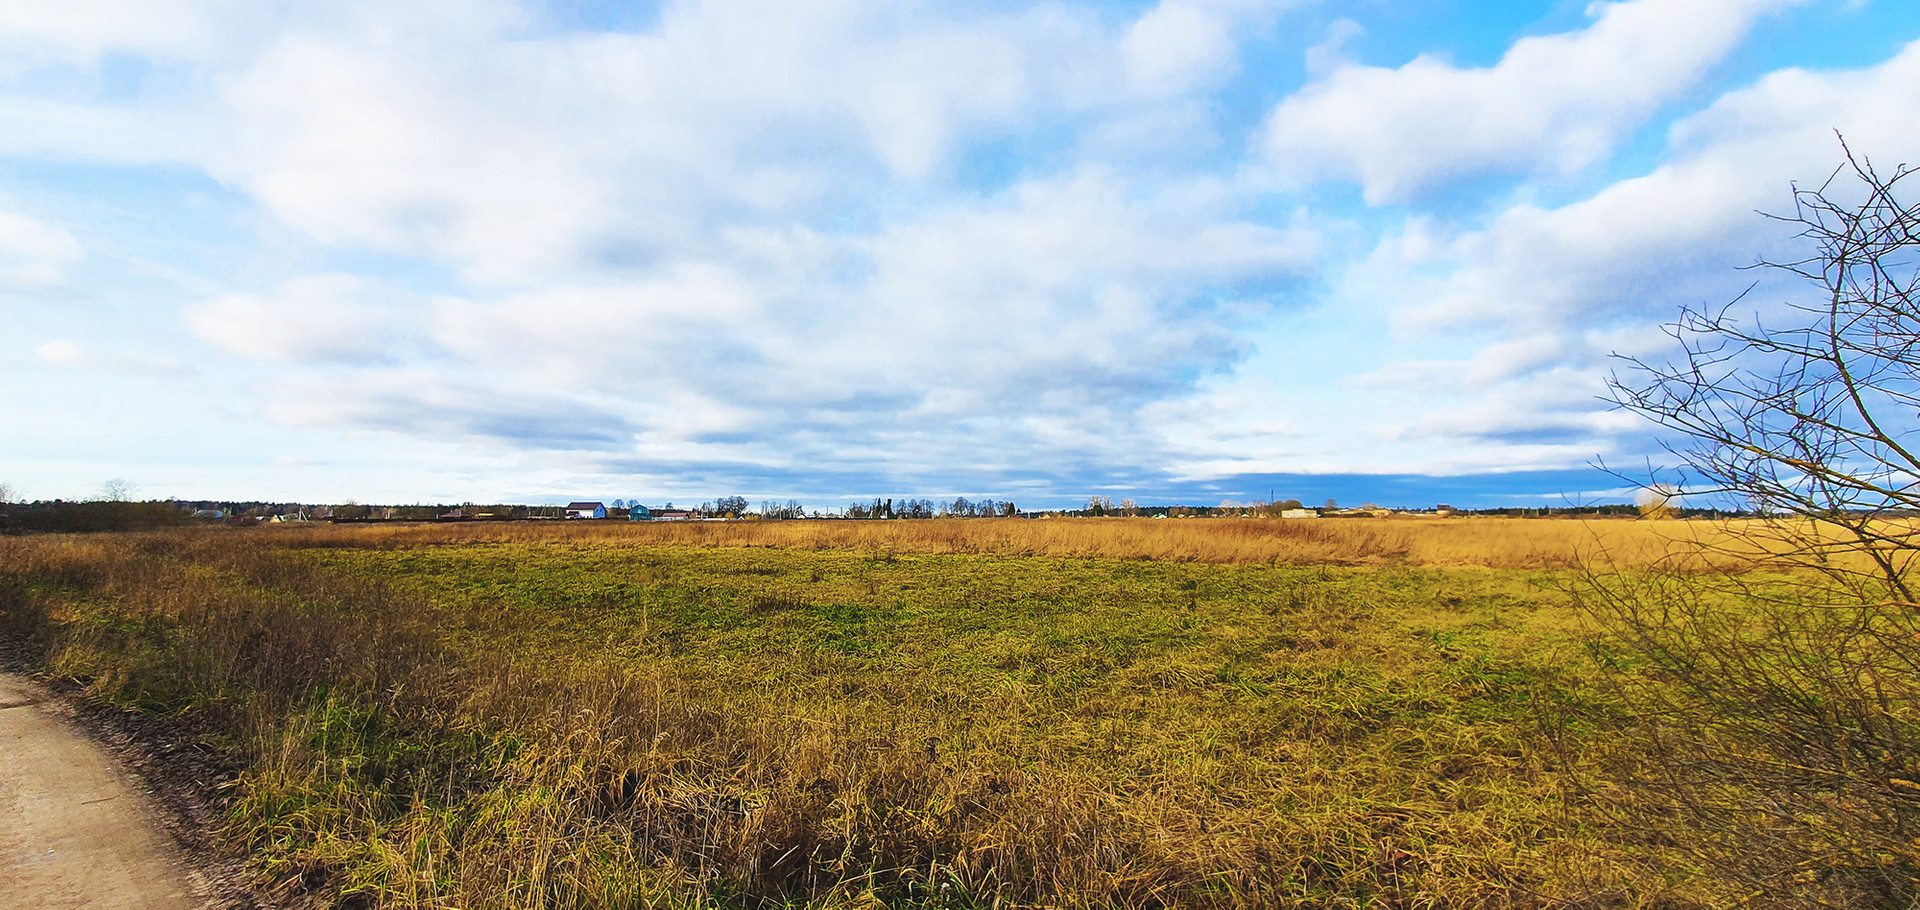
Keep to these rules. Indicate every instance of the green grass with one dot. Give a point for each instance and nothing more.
(1400, 706)
(667, 603)
(970, 640)
(627, 725)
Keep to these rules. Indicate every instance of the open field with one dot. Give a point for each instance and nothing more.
(1429, 542)
(957, 714)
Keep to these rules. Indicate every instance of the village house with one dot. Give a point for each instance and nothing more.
(586, 510)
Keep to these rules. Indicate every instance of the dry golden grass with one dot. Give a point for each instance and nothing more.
(1496, 543)
(926, 714)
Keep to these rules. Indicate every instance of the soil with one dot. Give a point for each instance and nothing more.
(102, 808)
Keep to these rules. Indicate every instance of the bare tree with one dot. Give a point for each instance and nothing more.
(1814, 418)
(117, 490)
(1775, 722)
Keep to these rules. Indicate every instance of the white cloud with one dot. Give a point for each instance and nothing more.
(34, 254)
(59, 351)
(1502, 335)
(63, 352)
(519, 159)
(1176, 46)
(1552, 104)
(1623, 250)
(1067, 276)
(869, 241)
(319, 318)
(925, 88)
(1182, 45)
(84, 29)
(644, 225)
(412, 151)
(66, 130)
(1330, 54)
(524, 157)
(629, 333)
(1535, 303)
(1036, 326)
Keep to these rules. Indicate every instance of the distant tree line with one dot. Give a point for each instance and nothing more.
(1611, 510)
(90, 515)
(960, 507)
(723, 507)
(113, 509)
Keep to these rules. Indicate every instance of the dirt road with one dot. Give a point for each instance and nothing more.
(75, 829)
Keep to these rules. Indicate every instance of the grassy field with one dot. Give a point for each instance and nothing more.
(1100, 713)
(1425, 542)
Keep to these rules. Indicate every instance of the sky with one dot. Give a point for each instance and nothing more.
(1184, 251)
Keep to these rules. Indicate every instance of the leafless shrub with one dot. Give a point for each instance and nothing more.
(1775, 716)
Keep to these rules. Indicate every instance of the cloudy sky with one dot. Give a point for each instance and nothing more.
(1186, 250)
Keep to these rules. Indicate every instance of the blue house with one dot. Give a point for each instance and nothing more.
(586, 510)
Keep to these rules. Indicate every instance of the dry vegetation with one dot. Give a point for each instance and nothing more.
(1100, 713)
(1435, 542)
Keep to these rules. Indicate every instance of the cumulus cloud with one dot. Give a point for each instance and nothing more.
(516, 159)
(84, 29)
(1330, 54)
(1031, 330)
(1623, 249)
(318, 318)
(1539, 299)
(1182, 45)
(519, 159)
(1176, 46)
(1552, 104)
(647, 230)
(844, 241)
(34, 254)
(1496, 340)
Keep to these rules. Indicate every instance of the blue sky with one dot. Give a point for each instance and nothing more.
(1184, 251)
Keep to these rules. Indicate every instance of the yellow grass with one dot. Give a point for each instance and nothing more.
(1498, 543)
(1108, 713)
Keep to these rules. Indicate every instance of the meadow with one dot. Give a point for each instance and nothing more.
(991, 713)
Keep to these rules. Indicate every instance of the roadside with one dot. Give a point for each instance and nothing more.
(105, 811)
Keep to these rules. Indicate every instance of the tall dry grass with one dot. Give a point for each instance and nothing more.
(1772, 722)
(171, 622)
(1436, 542)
